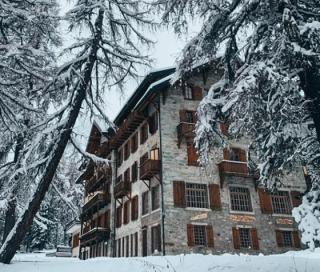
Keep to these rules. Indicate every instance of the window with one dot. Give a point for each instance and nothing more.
(134, 208)
(154, 154)
(192, 155)
(126, 175)
(145, 202)
(190, 117)
(119, 217)
(144, 133)
(197, 195)
(240, 199)
(245, 239)
(281, 202)
(120, 157)
(134, 142)
(199, 233)
(155, 195)
(155, 239)
(126, 208)
(188, 94)
(134, 172)
(126, 151)
(153, 123)
(287, 239)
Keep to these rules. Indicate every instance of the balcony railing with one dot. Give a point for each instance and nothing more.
(122, 188)
(99, 200)
(94, 235)
(233, 167)
(97, 180)
(149, 169)
(185, 130)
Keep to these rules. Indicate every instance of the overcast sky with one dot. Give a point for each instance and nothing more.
(165, 51)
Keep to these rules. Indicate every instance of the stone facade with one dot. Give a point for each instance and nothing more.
(165, 228)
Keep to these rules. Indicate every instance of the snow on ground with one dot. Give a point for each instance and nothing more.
(304, 261)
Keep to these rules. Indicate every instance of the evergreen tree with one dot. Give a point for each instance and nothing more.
(268, 53)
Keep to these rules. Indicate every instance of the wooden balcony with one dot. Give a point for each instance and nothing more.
(185, 131)
(94, 235)
(149, 169)
(98, 180)
(97, 202)
(122, 188)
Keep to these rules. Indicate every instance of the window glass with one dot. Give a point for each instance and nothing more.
(281, 202)
(240, 199)
(245, 239)
(199, 233)
(197, 195)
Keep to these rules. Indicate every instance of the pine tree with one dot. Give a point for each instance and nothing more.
(113, 49)
(268, 54)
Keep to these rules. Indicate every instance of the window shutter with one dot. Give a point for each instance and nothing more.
(194, 116)
(215, 199)
(236, 238)
(197, 93)
(107, 218)
(296, 198)
(296, 239)
(226, 154)
(182, 115)
(210, 239)
(279, 238)
(265, 201)
(242, 155)
(179, 199)
(134, 208)
(254, 237)
(192, 155)
(190, 235)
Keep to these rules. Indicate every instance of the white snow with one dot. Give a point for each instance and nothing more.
(304, 261)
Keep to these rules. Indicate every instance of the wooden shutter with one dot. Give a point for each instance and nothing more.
(125, 212)
(134, 208)
(296, 239)
(190, 235)
(179, 198)
(265, 201)
(192, 155)
(254, 237)
(196, 93)
(107, 219)
(279, 238)
(210, 237)
(236, 238)
(182, 115)
(215, 199)
(119, 216)
(296, 198)
(226, 154)
(242, 155)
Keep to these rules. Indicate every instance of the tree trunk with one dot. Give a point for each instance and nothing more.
(24, 222)
(10, 218)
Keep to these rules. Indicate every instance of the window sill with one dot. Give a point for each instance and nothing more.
(197, 209)
(281, 215)
(241, 212)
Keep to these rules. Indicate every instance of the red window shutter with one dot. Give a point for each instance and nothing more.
(182, 115)
(210, 237)
(190, 235)
(242, 155)
(254, 237)
(296, 239)
(215, 199)
(265, 201)
(196, 93)
(236, 238)
(226, 154)
(192, 155)
(179, 199)
(296, 198)
(279, 238)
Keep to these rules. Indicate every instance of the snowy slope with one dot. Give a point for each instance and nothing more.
(304, 261)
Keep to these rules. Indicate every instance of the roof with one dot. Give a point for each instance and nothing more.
(140, 92)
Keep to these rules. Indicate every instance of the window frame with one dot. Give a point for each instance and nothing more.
(205, 189)
(241, 239)
(134, 172)
(197, 235)
(288, 204)
(188, 92)
(249, 199)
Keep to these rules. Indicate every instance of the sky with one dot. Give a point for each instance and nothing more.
(164, 52)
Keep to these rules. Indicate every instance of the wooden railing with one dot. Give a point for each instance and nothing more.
(97, 180)
(233, 167)
(149, 168)
(122, 188)
(99, 200)
(94, 235)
